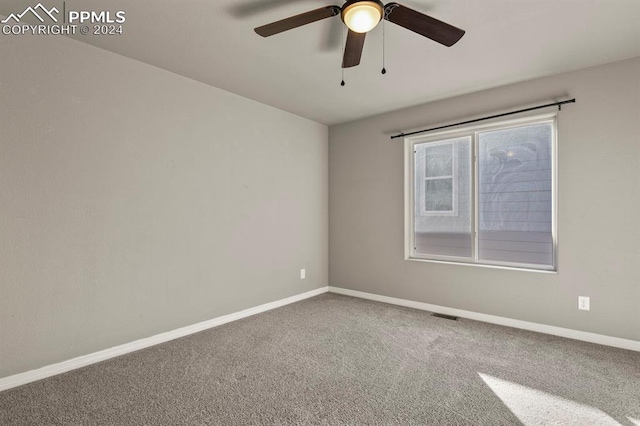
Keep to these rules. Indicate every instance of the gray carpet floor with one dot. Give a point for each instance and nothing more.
(339, 360)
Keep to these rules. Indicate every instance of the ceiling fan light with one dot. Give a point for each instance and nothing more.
(362, 16)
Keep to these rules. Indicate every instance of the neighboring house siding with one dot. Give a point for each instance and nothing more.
(461, 221)
(444, 244)
(518, 247)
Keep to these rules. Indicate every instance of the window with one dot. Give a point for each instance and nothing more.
(436, 165)
(484, 195)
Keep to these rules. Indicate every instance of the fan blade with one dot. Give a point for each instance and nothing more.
(353, 49)
(297, 21)
(422, 24)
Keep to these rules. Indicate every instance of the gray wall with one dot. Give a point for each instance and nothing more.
(599, 201)
(134, 201)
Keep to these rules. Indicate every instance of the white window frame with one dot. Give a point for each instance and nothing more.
(454, 185)
(473, 132)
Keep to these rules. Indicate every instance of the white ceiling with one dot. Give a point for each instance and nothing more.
(299, 71)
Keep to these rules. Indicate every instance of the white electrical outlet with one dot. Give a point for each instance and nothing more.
(303, 274)
(583, 303)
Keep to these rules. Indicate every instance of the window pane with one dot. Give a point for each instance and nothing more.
(439, 160)
(439, 195)
(442, 218)
(515, 184)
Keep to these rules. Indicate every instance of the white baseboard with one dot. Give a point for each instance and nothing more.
(82, 361)
(617, 342)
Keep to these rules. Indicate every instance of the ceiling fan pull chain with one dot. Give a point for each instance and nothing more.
(387, 11)
(384, 68)
(344, 40)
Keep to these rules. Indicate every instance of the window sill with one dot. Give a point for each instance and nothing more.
(483, 265)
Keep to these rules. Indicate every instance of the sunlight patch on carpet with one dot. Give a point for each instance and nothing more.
(535, 407)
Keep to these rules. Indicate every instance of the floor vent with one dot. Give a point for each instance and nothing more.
(449, 317)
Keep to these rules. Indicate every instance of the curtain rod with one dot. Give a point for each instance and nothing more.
(558, 104)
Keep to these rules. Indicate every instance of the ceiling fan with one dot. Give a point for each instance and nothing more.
(361, 16)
